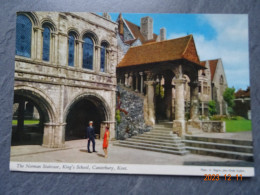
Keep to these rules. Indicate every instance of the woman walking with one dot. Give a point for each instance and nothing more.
(105, 141)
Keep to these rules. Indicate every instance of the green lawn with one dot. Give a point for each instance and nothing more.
(238, 125)
(26, 122)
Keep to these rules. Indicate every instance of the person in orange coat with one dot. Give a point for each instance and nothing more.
(105, 141)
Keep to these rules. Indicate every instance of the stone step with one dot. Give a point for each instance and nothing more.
(163, 126)
(221, 153)
(219, 146)
(152, 145)
(168, 137)
(219, 140)
(175, 140)
(159, 133)
(178, 144)
(152, 149)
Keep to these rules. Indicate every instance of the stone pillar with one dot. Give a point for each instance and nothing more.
(130, 81)
(142, 82)
(150, 103)
(179, 122)
(39, 44)
(126, 80)
(54, 135)
(136, 83)
(80, 54)
(20, 119)
(194, 100)
(168, 99)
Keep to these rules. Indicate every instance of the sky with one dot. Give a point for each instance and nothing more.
(216, 36)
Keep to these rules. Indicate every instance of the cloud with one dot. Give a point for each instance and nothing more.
(230, 44)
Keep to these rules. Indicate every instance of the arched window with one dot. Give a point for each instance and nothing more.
(23, 36)
(46, 43)
(71, 49)
(103, 55)
(88, 53)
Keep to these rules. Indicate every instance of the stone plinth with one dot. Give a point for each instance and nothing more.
(54, 135)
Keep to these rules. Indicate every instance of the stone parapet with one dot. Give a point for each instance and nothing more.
(214, 126)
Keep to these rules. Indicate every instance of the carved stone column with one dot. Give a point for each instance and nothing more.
(130, 81)
(194, 100)
(149, 112)
(80, 54)
(179, 122)
(142, 82)
(168, 99)
(126, 80)
(136, 82)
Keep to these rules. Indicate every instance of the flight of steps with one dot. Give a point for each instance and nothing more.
(226, 148)
(160, 139)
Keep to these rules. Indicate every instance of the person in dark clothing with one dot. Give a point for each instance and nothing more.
(91, 136)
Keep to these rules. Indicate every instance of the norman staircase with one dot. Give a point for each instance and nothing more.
(226, 148)
(160, 139)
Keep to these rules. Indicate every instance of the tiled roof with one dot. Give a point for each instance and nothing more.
(169, 50)
(137, 33)
(213, 66)
(243, 93)
(203, 63)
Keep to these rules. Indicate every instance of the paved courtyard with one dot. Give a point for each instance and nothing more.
(75, 152)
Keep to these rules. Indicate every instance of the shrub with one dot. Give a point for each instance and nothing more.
(212, 107)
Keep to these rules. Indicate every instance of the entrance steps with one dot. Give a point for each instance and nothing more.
(226, 148)
(160, 139)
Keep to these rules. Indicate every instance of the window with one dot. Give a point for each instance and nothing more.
(71, 49)
(88, 51)
(103, 60)
(23, 36)
(46, 43)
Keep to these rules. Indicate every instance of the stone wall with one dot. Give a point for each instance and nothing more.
(214, 126)
(133, 122)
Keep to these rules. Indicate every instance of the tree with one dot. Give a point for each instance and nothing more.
(229, 97)
(212, 107)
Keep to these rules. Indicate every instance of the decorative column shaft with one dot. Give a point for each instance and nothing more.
(150, 103)
(142, 82)
(126, 79)
(80, 55)
(194, 100)
(179, 122)
(136, 83)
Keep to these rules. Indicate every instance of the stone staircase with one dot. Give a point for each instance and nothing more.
(160, 139)
(226, 148)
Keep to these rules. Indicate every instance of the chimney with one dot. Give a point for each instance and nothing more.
(162, 34)
(147, 27)
(106, 15)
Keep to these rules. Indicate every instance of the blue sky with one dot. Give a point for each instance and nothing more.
(222, 36)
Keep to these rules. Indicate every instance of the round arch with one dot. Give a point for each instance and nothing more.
(82, 109)
(39, 97)
(48, 22)
(32, 16)
(91, 34)
(74, 32)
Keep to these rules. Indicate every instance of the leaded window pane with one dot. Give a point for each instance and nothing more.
(23, 36)
(103, 58)
(88, 49)
(71, 50)
(46, 44)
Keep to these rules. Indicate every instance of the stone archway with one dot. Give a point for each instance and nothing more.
(85, 108)
(31, 111)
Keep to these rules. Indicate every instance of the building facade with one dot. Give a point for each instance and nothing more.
(65, 67)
